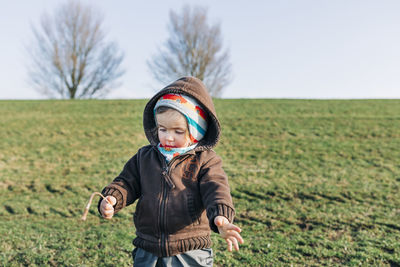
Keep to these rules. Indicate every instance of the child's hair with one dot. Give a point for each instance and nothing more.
(162, 109)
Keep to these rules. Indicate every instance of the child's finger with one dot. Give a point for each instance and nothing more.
(103, 204)
(220, 221)
(229, 244)
(108, 217)
(235, 243)
(233, 227)
(111, 200)
(104, 210)
(108, 207)
(108, 213)
(236, 235)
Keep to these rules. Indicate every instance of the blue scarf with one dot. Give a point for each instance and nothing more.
(170, 153)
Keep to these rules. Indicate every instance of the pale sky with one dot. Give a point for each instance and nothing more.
(278, 49)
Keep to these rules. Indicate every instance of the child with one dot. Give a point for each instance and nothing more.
(182, 189)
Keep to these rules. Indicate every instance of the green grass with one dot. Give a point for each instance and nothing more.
(314, 182)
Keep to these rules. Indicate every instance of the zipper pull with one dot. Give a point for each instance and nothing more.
(167, 178)
(165, 171)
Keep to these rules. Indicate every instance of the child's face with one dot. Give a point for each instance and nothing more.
(172, 129)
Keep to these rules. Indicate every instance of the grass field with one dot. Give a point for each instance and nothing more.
(314, 182)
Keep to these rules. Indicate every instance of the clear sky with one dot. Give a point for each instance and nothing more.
(279, 49)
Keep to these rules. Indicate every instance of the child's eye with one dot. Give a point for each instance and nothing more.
(162, 129)
(179, 132)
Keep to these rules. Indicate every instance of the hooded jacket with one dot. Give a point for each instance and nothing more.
(177, 201)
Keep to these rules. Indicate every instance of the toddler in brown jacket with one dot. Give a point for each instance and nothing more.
(179, 182)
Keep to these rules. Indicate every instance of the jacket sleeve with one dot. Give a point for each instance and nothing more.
(215, 192)
(126, 186)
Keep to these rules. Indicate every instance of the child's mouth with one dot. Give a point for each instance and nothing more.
(168, 146)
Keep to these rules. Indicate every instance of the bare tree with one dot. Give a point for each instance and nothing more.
(193, 48)
(70, 56)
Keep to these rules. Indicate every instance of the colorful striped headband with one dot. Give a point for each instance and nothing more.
(191, 109)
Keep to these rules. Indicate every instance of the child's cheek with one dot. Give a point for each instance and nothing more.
(161, 138)
(188, 141)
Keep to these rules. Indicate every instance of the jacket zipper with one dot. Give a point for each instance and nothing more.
(163, 226)
(163, 221)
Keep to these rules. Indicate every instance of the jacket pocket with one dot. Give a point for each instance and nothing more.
(193, 210)
(177, 212)
(146, 215)
(137, 212)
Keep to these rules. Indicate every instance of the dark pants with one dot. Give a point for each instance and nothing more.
(199, 257)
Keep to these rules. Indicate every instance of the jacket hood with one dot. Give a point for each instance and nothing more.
(193, 87)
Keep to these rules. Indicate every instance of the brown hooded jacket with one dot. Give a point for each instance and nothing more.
(178, 201)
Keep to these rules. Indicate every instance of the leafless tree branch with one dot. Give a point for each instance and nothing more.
(70, 56)
(194, 48)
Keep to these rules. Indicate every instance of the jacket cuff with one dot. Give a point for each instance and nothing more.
(219, 210)
(111, 191)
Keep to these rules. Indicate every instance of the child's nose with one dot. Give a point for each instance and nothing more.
(169, 137)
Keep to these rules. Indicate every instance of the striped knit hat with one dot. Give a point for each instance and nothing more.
(191, 109)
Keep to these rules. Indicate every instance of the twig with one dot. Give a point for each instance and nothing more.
(85, 213)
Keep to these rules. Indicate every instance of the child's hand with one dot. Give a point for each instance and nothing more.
(106, 208)
(229, 232)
